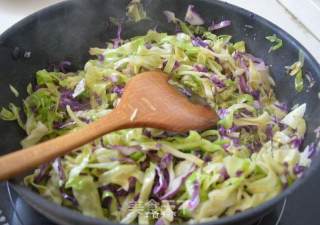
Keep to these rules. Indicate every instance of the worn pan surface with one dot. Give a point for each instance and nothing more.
(66, 31)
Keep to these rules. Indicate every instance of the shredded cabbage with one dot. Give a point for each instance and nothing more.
(277, 42)
(296, 71)
(251, 156)
(135, 11)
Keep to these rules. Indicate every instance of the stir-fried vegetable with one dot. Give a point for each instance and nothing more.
(135, 11)
(14, 91)
(150, 176)
(277, 42)
(296, 71)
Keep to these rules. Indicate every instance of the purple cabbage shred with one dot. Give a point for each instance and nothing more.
(148, 45)
(132, 184)
(254, 59)
(226, 132)
(176, 65)
(117, 40)
(198, 42)
(66, 98)
(161, 183)
(118, 190)
(239, 173)
(243, 85)
(317, 131)
(57, 166)
(69, 197)
(117, 90)
(207, 158)
(186, 92)
(222, 113)
(282, 106)
(238, 56)
(224, 173)
(257, 104)
(43, 173)
(153, 156)
(219, 83)
(236, 142)
(256, 94)
(297, 142)
(216, 26)
(161, 221)
(255, 146)
(165, 161)
(100, 57)
(200, 68)
(298, 169)
(144, 165)
(269, 132)
(312, 150)
(195, 198)
(175, 184)
(146, 133)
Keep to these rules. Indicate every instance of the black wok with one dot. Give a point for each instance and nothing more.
(67, 30)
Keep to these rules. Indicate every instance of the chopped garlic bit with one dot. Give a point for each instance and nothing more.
(79, 88)
(134, 115)
(14, 90)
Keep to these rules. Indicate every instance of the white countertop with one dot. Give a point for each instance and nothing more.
(274, 11)
(12, 11)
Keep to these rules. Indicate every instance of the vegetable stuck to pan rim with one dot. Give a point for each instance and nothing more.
(147, 175)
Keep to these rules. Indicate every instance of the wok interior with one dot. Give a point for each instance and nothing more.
(67, 31)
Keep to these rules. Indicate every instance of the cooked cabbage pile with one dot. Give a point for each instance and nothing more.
(150, 176)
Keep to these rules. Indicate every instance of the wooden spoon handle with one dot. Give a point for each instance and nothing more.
(26, 159)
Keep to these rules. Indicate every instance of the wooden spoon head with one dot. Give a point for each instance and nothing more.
(150, 101)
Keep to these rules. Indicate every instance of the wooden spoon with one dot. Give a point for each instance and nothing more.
(148, 101)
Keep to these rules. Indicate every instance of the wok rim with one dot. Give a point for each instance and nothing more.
(31, 197)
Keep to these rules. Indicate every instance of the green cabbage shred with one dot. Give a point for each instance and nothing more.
(277, 42)
(296, 71)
